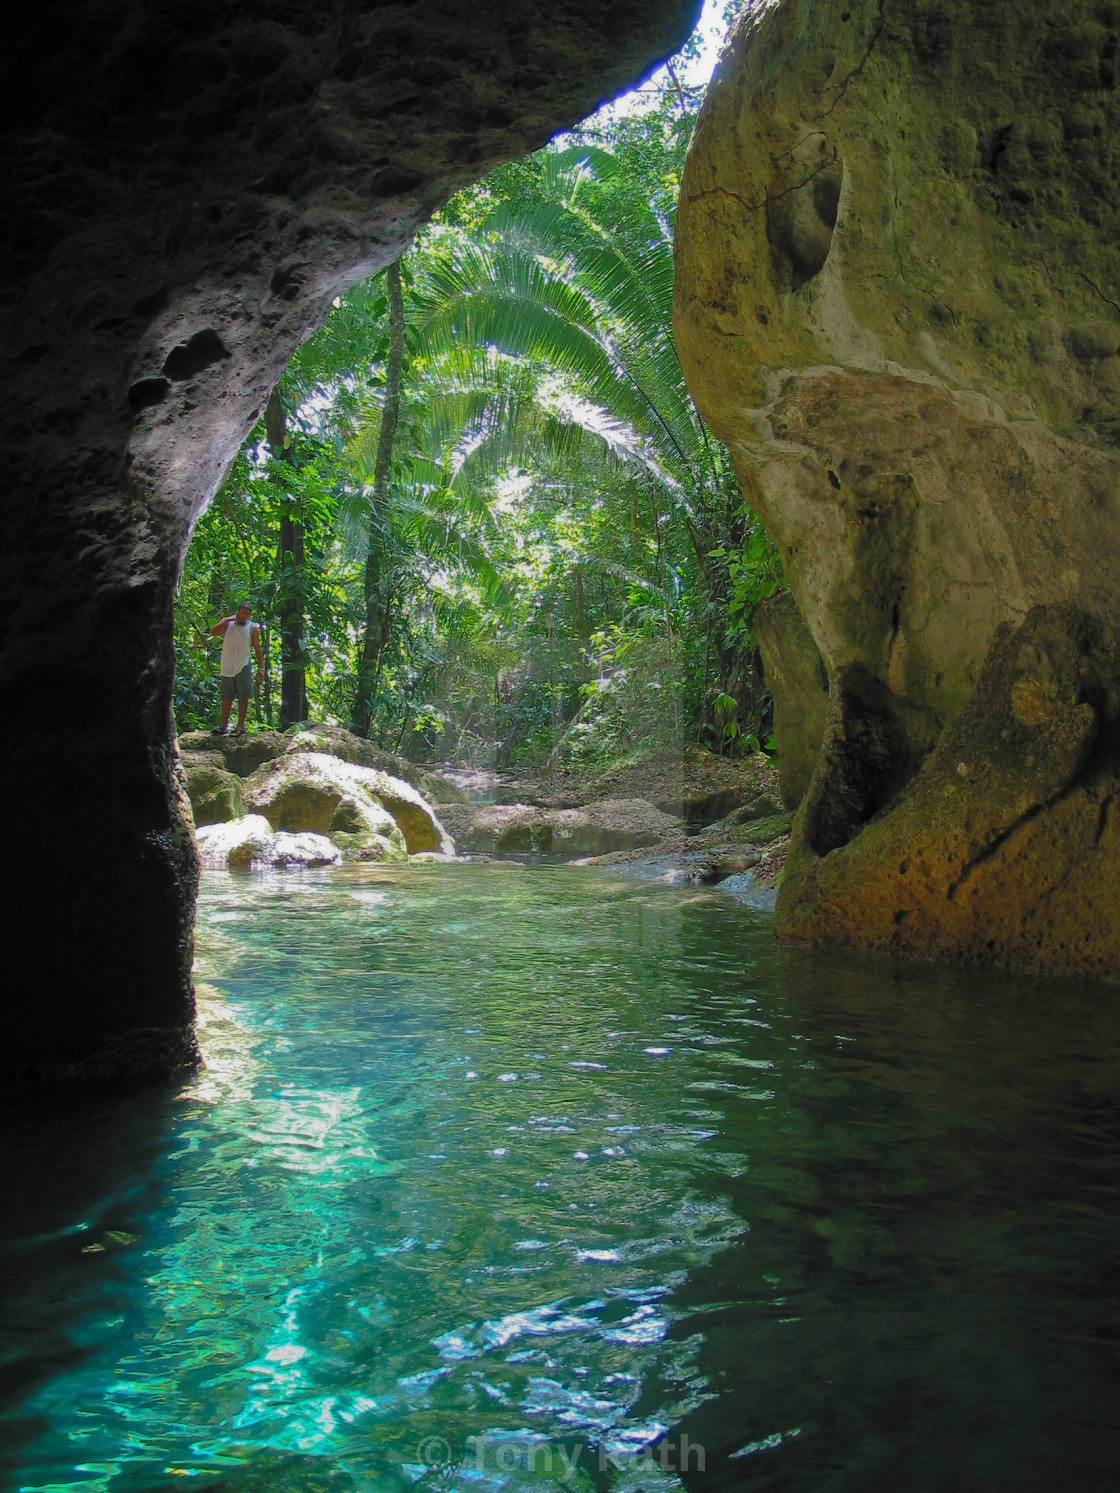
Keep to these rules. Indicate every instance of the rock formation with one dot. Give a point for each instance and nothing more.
(317, 779)
(186, 188)
(898, 248)
(798, 680)
(595, 829)
(317, 792)
(251, 844)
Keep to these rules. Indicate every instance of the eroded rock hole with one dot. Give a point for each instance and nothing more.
(146, 392)
(190, 358)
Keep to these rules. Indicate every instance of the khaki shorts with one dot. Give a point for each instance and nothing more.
(238, 686)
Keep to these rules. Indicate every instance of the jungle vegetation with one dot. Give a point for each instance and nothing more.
(481, 518)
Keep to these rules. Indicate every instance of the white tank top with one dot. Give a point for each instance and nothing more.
(236, 647)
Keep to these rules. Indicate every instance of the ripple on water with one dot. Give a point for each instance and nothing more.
(534, 1156)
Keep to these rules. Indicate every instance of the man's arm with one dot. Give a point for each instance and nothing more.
(257, 647)
(219, 628)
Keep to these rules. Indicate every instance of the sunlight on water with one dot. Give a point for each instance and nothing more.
(507, 1177)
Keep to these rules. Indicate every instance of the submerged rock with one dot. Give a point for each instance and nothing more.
(682, 867)
(745, 887)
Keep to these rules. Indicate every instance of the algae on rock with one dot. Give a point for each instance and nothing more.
(898, 242)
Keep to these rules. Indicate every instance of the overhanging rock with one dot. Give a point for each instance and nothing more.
(898, 244)
(186, 188)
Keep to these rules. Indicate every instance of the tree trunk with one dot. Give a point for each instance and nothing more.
(293, 662)
(377, 597)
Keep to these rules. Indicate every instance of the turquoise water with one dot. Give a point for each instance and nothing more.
(506, 1177)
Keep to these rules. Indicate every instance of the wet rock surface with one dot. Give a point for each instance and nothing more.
(317, 792)
(186, 190)
(743, 857)
(1004, 848)
(896, 242)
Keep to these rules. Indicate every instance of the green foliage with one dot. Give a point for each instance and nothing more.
(562, 555)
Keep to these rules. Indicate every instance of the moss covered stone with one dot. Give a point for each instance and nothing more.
(323, 794)
(216, 795)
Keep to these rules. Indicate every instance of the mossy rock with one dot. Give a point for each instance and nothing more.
(304, 791)
(216, 796)
(336, 741)
(364, 831)
(761, 831)
(764, 806)
(240, 754)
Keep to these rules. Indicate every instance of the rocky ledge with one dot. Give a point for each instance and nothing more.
(519, 829)
(742, 851)
(318, 796)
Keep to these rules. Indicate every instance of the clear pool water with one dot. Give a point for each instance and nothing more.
(506, 1177)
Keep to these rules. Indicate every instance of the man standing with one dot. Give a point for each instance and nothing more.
(239, 634)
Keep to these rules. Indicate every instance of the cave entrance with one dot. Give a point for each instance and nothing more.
(191, 191)
(484, 536)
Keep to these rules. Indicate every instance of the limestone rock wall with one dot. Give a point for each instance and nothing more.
(898, 256)
(798, 681)
(186, 188)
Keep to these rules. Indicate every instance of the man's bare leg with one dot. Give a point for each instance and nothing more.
(225, 715)
(242, 712)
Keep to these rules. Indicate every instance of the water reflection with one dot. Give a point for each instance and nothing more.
(502, 1177)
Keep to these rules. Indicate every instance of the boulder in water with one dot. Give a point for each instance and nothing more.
(304, 850)
(304, 791)
(612, 824)
(366, 832)
(519, 829)
(251, 843)
(238, 844)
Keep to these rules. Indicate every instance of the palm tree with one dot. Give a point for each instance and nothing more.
(587, 302)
